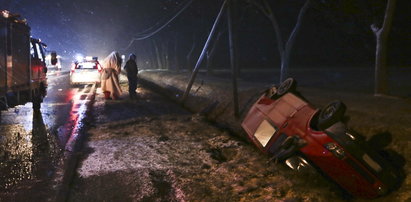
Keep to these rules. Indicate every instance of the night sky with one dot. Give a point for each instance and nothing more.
(90, 27)
(96, 27)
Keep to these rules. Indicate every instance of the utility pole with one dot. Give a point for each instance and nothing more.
(232, 37)
(200, 59)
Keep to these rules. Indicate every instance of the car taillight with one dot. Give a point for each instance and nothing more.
(335, 149)
(73, 67)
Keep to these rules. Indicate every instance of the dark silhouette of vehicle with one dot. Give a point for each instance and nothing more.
(283, 124)
(22, 64)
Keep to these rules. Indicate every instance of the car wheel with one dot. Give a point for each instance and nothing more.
(289, 85)
(270, 92)
(330, 114)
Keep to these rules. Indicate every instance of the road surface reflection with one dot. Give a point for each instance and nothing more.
(26, 148)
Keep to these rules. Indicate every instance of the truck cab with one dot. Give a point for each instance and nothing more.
(38, 63)
(22, 63)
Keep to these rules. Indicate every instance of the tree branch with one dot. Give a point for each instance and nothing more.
(374, 28)
(258, 6)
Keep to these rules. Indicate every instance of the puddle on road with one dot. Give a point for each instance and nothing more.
(27, 149)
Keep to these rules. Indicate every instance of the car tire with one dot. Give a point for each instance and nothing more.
(331, 114)
(270, 92)
(289, 85)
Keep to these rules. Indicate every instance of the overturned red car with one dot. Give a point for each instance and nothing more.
(283, 124)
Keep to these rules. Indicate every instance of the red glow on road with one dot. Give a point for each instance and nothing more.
(79, 105)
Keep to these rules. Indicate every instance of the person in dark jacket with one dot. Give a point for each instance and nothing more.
(132, 71)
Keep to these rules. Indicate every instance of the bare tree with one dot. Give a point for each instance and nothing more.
(165, 54)
(157, 54)
(283, 49)
(210, 53)
(190, 54)
(175, 52)
(377, 15)
(381, 36)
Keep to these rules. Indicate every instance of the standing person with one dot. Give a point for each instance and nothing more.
(132, 71)
(110, 84)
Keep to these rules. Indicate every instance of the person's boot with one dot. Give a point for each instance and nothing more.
(116, 97)
(132, 95)
(107, 95)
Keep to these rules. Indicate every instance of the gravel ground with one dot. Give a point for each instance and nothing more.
(151, 149)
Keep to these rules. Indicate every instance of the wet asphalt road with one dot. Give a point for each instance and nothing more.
(32, 144)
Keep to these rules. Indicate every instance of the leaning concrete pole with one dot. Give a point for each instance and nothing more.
(200, 59)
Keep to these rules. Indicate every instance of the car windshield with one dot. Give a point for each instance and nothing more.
(86, 65)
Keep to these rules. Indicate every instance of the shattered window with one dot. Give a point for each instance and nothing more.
(264, 132)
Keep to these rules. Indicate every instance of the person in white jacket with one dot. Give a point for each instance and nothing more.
(110, 83)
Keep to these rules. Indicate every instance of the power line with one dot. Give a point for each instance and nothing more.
(141, 36)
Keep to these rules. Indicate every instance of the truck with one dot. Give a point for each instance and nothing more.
(23, 67)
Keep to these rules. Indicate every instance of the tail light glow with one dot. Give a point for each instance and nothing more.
(73, 67)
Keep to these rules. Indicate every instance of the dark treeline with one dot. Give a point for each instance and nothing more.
(332, 34)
